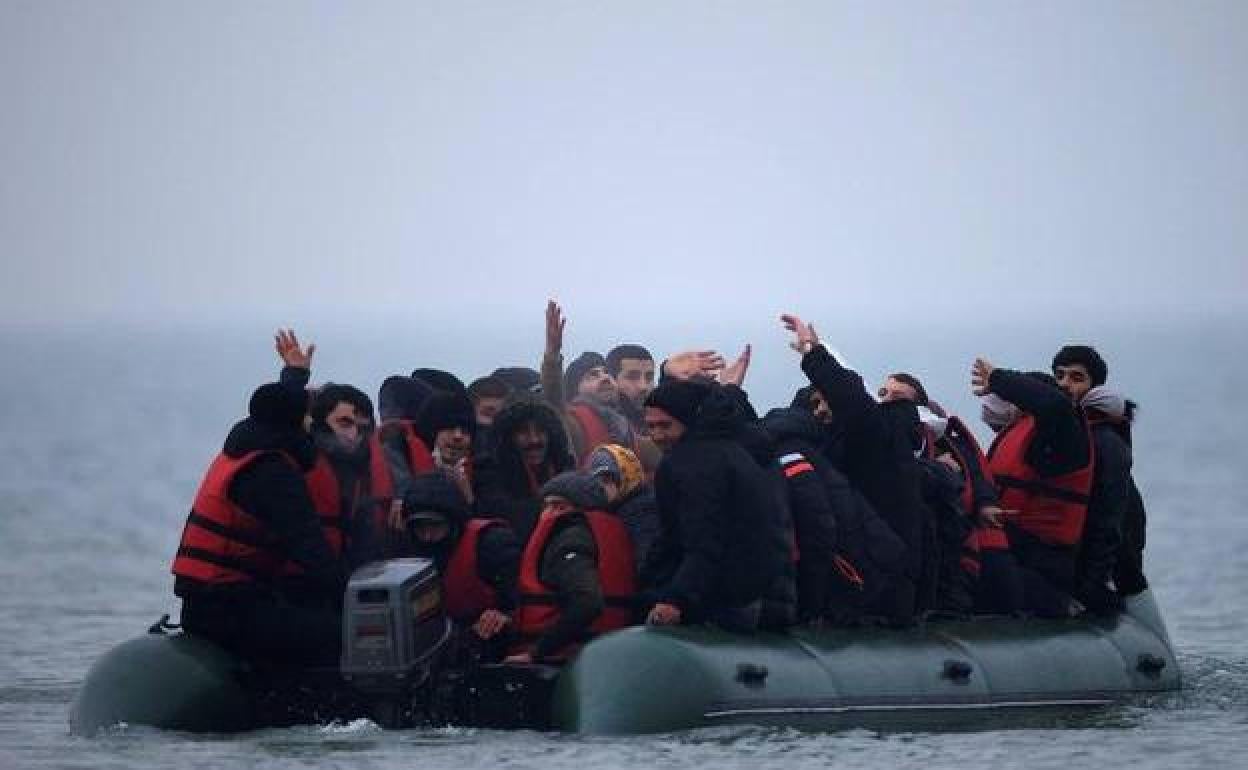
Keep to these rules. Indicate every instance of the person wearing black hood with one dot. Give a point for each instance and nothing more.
(721, 546)
(252, 528)
(530, 447)
(863, 440)
(478, 559)
(847, 556)
(400, 401)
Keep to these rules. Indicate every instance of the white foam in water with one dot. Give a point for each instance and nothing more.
(360, 725)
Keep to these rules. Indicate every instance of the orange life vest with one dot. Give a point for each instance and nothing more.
(465, 594)
(594, 431)
(1054, 508)
(539, 608)
(419, 456)
(326, 496)
(222, 543)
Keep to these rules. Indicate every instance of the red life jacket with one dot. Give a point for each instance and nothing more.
(326, 496)
(594, 431)
(222, 543)
(987, 538)
(465, 594)
(1053, 509)
(539, 609)
(419, 457)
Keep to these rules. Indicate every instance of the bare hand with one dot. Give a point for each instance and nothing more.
(287, 345)
(555, 322)
(664, 615)
(519, 657)
(804, 335)
(990, 515)
(735, 374)
(981, 372)
(693, 363)
(395, 519)
(490, 623)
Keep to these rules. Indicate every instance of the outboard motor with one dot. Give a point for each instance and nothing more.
(394, 631)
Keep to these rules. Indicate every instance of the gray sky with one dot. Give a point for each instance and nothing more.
(199, 161)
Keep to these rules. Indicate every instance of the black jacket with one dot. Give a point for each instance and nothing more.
(274, 492)
(868, 450)
(569, 565)
(720, 544)
(1107, 510)
(502, 486)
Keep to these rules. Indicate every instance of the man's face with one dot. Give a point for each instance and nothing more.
(531, 441)
(347, 424)
(819, 405)
(664, 429)
(636, 379)
(896, 390)
(452, 444)
(1074, 380)
(486, 408)
(599, 384)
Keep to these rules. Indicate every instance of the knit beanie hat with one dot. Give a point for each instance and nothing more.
(578, 369)
(278, 405)
(440, 380)
(617, 463)
(401, 398)
(682, 399)
(519, 378)
(434, 492)
(443, 410)
(580, 489)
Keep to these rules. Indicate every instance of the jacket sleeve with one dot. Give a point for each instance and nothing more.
(570, 568)
(277, 494)
(1061, 444)
(498, 563)
(866, 429)
(1102, 532)
(703, 495)
(295, 377)
(983, 492)
(551, 373)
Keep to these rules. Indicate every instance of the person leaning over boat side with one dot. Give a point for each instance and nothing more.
(253, 524)
(862, 444)
(530, 447)
(1042, 463)
(629, 495)
(1079, 370)
(586, 397)
(999, 586)
(577, 577)
(478, 558)
(632, 368)
(721, 546)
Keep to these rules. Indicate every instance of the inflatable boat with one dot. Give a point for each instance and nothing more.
(396, 669)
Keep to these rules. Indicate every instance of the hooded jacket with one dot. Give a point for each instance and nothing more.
(720, 545)
(503, 485)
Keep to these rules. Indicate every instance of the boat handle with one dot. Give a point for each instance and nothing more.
(751, 674)
(957, 670)
(1149, 664)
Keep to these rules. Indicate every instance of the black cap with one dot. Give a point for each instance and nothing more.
(278, 405)
(682, 399)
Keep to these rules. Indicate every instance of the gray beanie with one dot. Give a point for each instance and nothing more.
(580, 489)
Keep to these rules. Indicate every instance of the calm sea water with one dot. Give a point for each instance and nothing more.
(105, 435)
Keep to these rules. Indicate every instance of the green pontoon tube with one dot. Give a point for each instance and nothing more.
(934, 675)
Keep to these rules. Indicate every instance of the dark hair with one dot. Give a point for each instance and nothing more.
(920, 393)
(488, 387)
(332, 394)
(620, 352)
(439, 379)
(1086, 356)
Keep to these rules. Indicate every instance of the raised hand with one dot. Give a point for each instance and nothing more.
(804, 335)
(554, 328)
(735, 374)
(692, 363)
(490, 623)
(981, 372)
(288, 349)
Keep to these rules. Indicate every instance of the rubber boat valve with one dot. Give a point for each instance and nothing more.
(1150, 665)
(751, 674)
(958, 671)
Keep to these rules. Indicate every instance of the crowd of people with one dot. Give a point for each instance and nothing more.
(569, 500)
